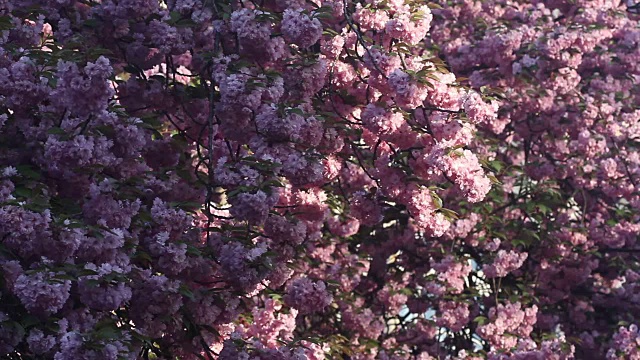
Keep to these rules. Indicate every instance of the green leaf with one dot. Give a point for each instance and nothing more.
(437, 201)
(496, 165)
(481, 320)
(6, 23)
(28, 172)
(107, 333)
(56, 131)
(494, 180)
(22, 192)
(28, 321)
(65, 277)
(91, 23)
(449, 214)
(192, 250)
(297, 111)
(187, 292)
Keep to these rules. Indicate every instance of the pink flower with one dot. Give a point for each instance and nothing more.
(453, 315)
(306, 296)
(507, 323)
(381, 121)
(479, 111)
(504, 263)
(466, 172)
(300, 29)
(407, 92)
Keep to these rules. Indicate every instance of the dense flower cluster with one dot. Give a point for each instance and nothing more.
(168, 166)
(561, 233)
(307, 296)
(294, 179)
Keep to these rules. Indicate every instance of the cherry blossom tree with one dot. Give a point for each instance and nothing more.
(286, 179)
(563, 226)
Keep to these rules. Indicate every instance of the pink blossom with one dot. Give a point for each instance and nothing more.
(453, 315)
(504, 263)
(299, 29)
(306, 296)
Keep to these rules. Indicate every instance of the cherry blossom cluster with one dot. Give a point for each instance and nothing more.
(561, 231)
(290, 179)
(188, 179)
